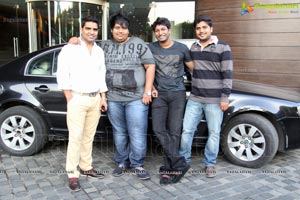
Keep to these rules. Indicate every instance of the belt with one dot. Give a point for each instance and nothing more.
(91, 94)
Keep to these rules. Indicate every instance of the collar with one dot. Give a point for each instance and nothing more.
(214, 40)
(82, 42)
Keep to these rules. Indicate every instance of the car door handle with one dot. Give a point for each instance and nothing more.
(42, 88)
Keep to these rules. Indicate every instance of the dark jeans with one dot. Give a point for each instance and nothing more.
(167, 116)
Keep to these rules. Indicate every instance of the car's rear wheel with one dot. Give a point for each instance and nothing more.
(249, 140)
(22, 131)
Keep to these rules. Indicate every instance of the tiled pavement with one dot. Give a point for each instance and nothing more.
(42, 177)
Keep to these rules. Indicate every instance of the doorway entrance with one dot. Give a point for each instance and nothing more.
(14, 30)
(53, 22)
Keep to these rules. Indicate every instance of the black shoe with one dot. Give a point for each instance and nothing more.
(74, 184)
(165, 176)
(179, 174)
(161, 170)
(119, 171)
(166, 179)
(92, 173)
(141, 173)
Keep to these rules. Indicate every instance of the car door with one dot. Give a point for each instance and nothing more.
(41, 81)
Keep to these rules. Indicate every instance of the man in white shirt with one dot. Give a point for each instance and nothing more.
(81, 75)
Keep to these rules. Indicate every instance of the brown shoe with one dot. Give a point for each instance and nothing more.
(92, 173)
(74, 184)
(210, 171)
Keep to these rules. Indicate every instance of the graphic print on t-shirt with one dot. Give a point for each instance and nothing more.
(121, 79)
(167, 65)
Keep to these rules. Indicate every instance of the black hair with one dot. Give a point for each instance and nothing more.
(119, 19)
(89, 19)
(161, 21)
(201, 18)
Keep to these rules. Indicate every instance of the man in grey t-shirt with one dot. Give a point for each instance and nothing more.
(130, 74)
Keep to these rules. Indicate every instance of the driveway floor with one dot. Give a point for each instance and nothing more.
(42, 176)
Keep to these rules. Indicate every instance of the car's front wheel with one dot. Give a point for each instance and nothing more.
(249, 140)
(22, 131)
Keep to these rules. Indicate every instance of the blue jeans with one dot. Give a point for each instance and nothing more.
(129, 121)
(193, 114)
(167, 116)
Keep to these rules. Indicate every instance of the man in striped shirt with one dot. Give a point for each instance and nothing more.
(211, 87)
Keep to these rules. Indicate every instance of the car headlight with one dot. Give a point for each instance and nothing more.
(298, 110)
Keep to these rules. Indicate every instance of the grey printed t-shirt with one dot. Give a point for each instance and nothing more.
(125, 72)
(170, 66)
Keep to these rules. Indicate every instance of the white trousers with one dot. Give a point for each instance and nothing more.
(83, 114)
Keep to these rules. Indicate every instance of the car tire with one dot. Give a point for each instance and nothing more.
(249, 140)
(22, 131)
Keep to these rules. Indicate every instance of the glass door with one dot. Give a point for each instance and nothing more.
(14, 30)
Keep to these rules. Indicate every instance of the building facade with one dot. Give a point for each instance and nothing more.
(264, 36)
(29, 25)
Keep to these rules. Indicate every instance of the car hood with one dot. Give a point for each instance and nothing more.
(242, 86)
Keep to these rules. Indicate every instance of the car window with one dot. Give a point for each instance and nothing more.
(54, 68)
(40, 66)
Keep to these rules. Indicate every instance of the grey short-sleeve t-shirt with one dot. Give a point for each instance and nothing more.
(126, 75)
(170, 66)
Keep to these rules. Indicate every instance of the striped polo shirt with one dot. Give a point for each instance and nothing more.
(212, 74)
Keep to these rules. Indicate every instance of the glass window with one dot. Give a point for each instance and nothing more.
(39, 25)
(64, 21)
(142, 14)
(44, 65)
(13, 30)
(181, 24)
(40, 66)
(55, 57)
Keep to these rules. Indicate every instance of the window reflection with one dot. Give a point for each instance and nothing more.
(65, 21)
(39, 28)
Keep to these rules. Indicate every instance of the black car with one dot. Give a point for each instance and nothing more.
(260, 121)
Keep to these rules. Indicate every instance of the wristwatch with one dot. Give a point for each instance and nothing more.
(148, 93)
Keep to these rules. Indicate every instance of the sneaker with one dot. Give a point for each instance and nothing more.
(119, 171)
(92, 173)
(74, 184)
(210, 171)
(141, 173)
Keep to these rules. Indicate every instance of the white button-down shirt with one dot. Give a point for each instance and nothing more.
(80, 71)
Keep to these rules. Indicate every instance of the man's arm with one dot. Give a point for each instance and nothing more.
(227, 74)
(103, 102)
(63, 73)
(190, 65)
(150, 72)
(68, 94)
